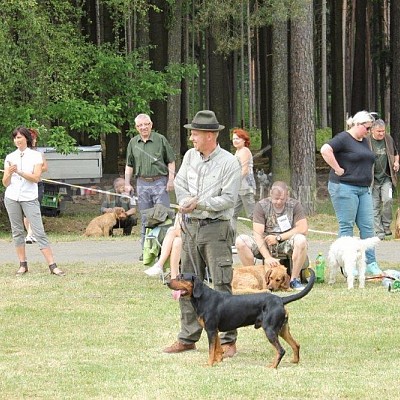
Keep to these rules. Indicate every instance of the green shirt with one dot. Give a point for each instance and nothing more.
(381, 160)
(150, 158)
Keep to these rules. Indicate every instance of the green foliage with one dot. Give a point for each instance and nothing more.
(322, 136)
(52, 75)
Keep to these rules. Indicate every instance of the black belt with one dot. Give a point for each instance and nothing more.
(202, 222)
(151, 178)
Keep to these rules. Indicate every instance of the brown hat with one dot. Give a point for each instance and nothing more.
(205, 120)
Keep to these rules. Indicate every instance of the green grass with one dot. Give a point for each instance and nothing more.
(98, 333)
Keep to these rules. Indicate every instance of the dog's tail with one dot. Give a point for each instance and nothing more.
(305, 291)
(370, 243)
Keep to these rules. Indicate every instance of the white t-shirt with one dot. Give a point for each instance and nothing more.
(21, 189)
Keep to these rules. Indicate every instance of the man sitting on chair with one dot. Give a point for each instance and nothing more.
(111, 201)
(279, 227)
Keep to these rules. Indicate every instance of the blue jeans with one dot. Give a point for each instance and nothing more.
(353, 205)
(149, 194)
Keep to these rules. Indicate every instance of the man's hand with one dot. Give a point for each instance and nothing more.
(271, 262)
(270, 240)
(188, 206)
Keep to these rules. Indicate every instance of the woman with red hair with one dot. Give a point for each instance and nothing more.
(241, 141)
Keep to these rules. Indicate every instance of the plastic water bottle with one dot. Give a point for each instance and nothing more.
(320, 268)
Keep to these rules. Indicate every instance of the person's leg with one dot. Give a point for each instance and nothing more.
(248, 204)
(159, 192)
(175, 257)
(144, 203)
(32, 211)
(387, 203)
(245, 245)
(365, 220)
(192, 262)
(215, 245)
(377, 206)
(345, 203)
(16, 216)
(299, 255)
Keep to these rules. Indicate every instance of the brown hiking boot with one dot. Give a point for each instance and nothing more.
(229, 349)
(179, 347)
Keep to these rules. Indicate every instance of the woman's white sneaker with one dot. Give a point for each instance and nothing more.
(155, 270)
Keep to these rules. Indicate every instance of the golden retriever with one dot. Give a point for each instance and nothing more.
(102, 225)
(259, 278)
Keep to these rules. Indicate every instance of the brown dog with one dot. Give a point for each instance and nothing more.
(259, 278)
(101, 225)
(397, 225)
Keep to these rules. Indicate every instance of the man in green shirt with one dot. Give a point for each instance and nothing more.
(151, 158)
(385, 177)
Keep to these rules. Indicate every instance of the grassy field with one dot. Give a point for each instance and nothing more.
(99, 332)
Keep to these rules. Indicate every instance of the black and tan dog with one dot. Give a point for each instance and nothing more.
(222, 312)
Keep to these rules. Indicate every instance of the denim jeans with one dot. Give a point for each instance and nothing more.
(353, 205)
(382, 201)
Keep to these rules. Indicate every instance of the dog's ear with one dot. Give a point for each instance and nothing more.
(267, 275)
(286, 282)
(197, 287)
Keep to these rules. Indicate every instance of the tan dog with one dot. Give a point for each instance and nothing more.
(259, 278)
(397, 225)
(101, 225)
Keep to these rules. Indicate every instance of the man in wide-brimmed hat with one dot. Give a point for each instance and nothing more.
(206, 188)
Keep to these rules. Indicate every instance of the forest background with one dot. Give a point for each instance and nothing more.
(287, 70)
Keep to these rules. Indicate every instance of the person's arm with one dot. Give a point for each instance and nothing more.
(9, 169)
(128, 177)
(329, 157)
(32, 176)
(171, 176)
(45, 166)
(260, 239)
(244, 156)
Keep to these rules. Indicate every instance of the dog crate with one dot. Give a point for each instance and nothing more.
(52, 205)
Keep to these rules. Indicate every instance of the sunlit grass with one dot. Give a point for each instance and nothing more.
(99, 333)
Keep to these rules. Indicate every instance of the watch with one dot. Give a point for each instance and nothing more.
(279, 238)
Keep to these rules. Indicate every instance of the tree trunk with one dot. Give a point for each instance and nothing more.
(358, 93)
(174, 57)
(395, 76)
(280, 160)
(337, 88)
(302, 127)
(219, 96)
(159, 57)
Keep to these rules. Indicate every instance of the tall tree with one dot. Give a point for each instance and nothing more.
(302, 129)
(359, 93)
(337, 88)
(280, 103)
(395, 68)
(174, 57)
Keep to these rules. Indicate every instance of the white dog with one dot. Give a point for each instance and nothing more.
(349, 253)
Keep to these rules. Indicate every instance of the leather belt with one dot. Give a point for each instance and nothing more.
(151, 178)
(202, 222)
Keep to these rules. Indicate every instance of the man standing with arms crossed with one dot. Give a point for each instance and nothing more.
(206, 187)
(151, 157)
